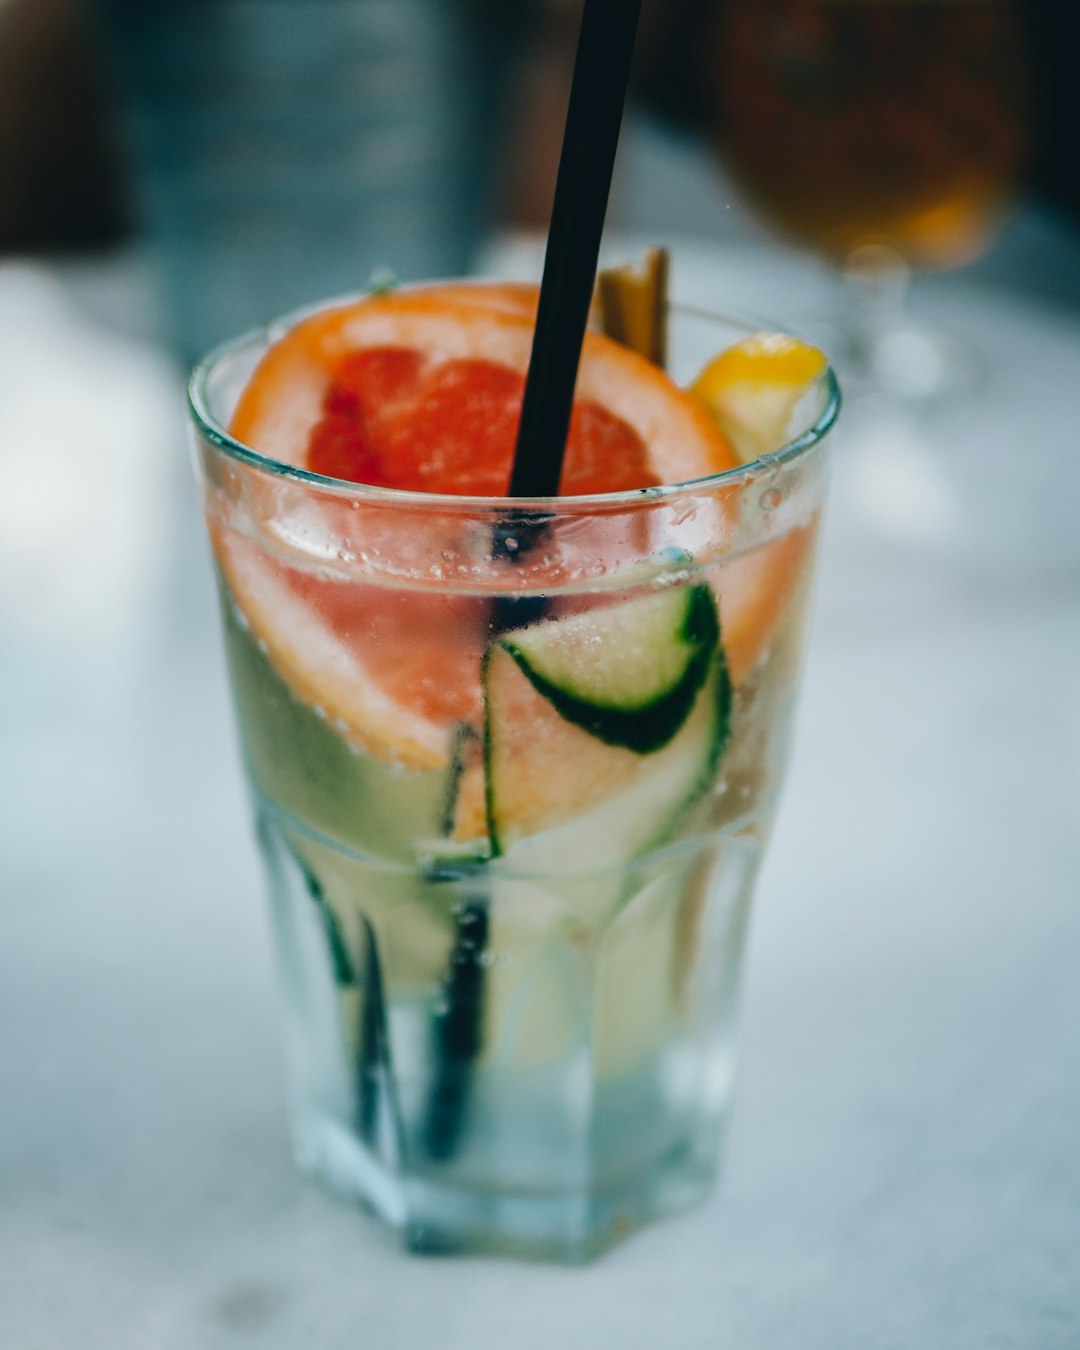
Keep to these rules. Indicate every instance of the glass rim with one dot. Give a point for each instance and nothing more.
(798, 448)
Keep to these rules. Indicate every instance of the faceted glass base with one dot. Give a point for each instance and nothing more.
(438, 1219)
(529, 1067)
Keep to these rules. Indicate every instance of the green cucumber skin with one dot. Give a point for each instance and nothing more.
(649, 726)
(725, 695)
(340, 960)
(494, 842)
(461, 737)
(672, 823)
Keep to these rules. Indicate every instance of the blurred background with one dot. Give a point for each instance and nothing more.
(896, 179)
(328, 139)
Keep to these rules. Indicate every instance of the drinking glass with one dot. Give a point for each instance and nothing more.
(886, 134)
(525, 1044)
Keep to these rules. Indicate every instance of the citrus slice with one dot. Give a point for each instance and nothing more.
(422, 390)
(754, 591)
(754, 388)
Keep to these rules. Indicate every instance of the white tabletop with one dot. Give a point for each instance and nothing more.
(904, 1164)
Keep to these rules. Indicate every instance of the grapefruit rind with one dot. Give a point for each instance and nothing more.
(510, 297)
(754, 591)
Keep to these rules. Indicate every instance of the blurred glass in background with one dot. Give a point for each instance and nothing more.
(284, 150)
(809, 56)
(886, 134)
(883, 135)
(900, 123)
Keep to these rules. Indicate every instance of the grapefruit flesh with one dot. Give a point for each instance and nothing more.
(393, 418)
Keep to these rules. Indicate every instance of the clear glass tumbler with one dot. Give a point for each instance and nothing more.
(509, 910)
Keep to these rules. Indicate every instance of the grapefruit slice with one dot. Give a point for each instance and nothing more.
(445, 377)
(422, 390)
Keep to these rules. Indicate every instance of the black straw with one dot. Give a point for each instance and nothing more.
(601, 75)
(458, 1035)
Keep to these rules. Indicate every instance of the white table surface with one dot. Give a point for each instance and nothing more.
(904, 1164)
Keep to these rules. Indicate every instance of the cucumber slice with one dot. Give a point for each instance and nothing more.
(578, 823)
(627, 673)
(563, 801)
